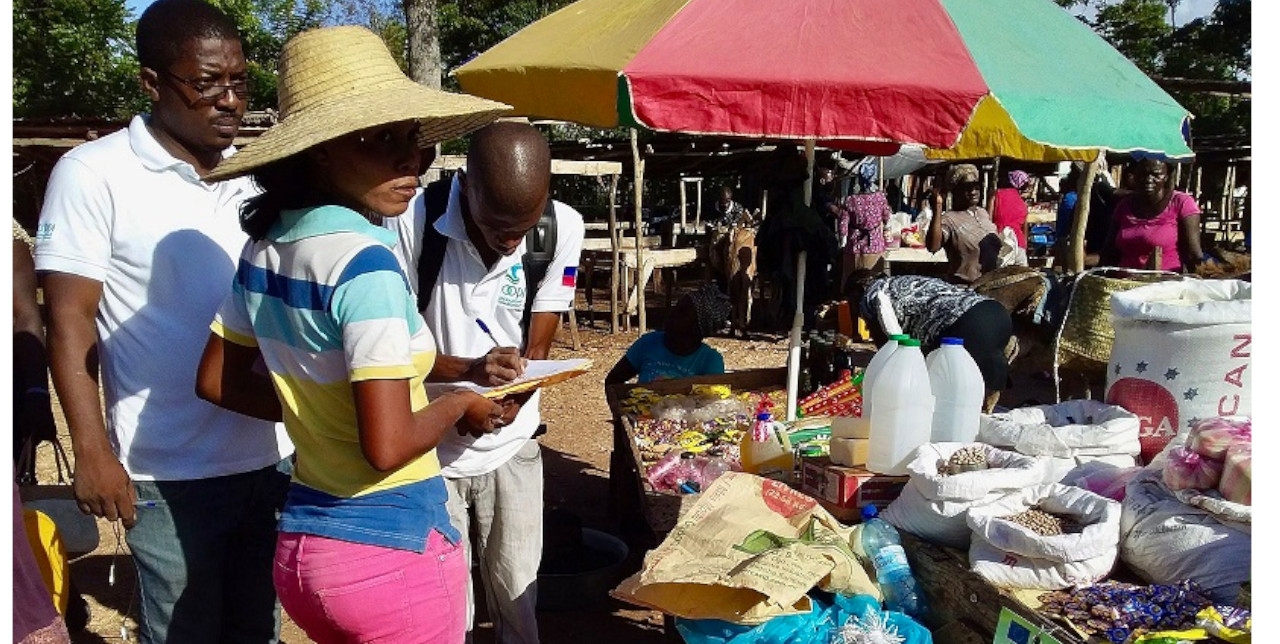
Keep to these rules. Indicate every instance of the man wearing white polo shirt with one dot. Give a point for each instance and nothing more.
(473, 266)
(136, 253)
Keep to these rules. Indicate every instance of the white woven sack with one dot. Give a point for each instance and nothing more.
(1060, 468)
(942, 522)
(1100, 517)
(934, 507)
(1182, 353)
(1075, 429)
(1166, 541)
(1012, 571)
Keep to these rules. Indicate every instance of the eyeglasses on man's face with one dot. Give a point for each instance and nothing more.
(209, 91)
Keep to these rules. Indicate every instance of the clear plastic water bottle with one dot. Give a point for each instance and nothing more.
(882, 544)
(714, 467)
(686, 477)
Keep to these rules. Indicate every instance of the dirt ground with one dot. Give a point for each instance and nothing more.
(576, 460)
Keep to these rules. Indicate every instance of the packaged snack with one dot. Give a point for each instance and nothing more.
(1237, 474)
(1211, 437)
(1187, 470)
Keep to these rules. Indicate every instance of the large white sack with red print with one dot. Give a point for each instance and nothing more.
(1181, 354)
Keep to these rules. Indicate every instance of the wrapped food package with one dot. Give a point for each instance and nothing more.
(1187, 470)
(1213, 436)
(1237, 474)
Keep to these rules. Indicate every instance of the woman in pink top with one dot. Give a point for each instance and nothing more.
(1008, 208)
(863, 217)
(1154, 216)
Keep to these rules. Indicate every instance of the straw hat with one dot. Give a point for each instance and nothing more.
(339, 80)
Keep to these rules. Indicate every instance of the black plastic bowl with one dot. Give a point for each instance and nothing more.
(589, 585)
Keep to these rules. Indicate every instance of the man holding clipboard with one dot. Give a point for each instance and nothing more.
(494, 261)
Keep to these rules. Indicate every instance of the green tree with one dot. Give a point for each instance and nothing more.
(264, 27)
(1138, 29)
(74, 57)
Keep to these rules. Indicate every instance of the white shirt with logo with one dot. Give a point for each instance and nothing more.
(467, 290)
(124, 212)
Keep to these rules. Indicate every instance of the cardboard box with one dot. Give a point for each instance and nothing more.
(847, 487)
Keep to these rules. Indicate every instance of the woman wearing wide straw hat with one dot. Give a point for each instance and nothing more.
(365, 551)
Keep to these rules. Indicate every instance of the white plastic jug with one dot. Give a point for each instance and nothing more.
(901, 412)
(861, 424)
(958, 391)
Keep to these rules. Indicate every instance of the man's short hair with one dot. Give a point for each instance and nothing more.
(167, 25)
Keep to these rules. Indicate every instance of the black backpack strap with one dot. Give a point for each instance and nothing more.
(435, 200)
(540, 250)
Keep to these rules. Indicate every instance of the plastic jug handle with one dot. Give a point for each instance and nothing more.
(888, 318)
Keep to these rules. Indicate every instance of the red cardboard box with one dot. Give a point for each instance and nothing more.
(848, 488)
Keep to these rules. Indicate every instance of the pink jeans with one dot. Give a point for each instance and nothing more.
(341, 592)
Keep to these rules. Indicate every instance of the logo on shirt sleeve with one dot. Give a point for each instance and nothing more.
(44, 230)
(570, 278)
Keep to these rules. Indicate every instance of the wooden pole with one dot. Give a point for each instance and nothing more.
(697, 215)
(1177, 176)
(1196, 188)
(684, 217)
(639, 232)
(808, 183)
(614, 235)
(1084, 192)
(880, 172)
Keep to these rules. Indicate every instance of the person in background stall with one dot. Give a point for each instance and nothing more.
(863, 217)
(966, 231)
(824, 195)
(1009, 205)
(929, 309)
(135, 253)
(1154, 215)
(1101, 206)
(366, 551)
(729, 213)
(679, 350)
(789, 228)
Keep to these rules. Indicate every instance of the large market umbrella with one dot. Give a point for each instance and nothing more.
(1030, 80)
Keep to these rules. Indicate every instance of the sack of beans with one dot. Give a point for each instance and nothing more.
(1069, 434)
(1168, 537)
(1046, 537)
(947, 479)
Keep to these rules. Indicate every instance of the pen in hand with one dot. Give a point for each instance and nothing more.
(484, 327)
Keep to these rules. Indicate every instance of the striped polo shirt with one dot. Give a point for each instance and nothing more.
(324, 299)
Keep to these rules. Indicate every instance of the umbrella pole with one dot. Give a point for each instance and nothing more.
(614, 234)
(793, 347)
(808, 182)
(1084, 193)
(639, 231)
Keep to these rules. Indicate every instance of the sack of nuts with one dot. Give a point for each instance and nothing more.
(1046, 537)
(947, 479)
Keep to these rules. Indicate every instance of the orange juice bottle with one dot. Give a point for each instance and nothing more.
(766, 449)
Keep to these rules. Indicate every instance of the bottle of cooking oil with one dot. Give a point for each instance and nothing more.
(766, 449)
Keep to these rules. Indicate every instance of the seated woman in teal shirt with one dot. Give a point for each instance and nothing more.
(678, 350)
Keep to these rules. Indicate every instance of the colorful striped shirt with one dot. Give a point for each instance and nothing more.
(324, 299)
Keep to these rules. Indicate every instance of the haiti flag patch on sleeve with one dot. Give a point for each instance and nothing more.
(570, 278)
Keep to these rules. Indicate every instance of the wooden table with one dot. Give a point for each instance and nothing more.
(963, 607)
(654, 259)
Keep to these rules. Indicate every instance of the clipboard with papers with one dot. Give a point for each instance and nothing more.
(538, 374)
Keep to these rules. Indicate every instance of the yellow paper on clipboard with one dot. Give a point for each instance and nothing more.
(538, 374)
